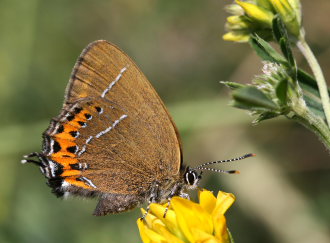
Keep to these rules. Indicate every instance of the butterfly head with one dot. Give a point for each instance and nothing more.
(192, 178)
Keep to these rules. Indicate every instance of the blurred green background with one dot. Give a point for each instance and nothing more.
(282, 194)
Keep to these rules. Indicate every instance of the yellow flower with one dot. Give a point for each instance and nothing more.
(256, 16)
(187, 221)
(290, 14)
(257, 13)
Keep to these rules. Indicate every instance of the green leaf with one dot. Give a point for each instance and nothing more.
(233, 85)
(281, 91)
(317, 112)
(287, 52)
(245, 106)
(309, 82)
(266, 116)
(265, 50)
(277, 28)
(281, 36)
(251, 98)
(311, 93)
(314, 105)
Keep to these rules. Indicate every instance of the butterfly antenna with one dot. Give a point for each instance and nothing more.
(220, 171)
(202, 166)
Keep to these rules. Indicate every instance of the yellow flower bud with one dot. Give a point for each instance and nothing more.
(290, 14)
(236, 36)
(256, 13)
(265, 4)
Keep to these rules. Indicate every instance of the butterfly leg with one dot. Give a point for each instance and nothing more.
(31, 155)
(177, 190)
(152, 199)
(167, 207)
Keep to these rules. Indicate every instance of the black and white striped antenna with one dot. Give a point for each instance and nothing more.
(203, 166)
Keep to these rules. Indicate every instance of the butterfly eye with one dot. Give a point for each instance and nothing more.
(191, 177)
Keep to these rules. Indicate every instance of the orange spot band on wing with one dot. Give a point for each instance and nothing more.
(65, 161)
(67, 173)
(63, 154)
(81, 115)
(68, 127)
(64, 135)
(64, 143)
(73, 181)
(73, 124)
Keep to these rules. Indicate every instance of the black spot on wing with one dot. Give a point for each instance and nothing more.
(56, 147)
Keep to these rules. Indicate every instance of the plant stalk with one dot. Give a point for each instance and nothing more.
(316, 69)
(316, 125)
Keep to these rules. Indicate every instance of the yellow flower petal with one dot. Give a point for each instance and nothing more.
(170, 238)
(170, 220)
(157, 209)
(191, 215)
(220, 227)
(234, 9)
(282, 6)
(237, 22)
(142, 229)
(234, 19)
(207, 200)
(265, 4)
(236, 36)
(224, 201)
(296, 6)
(263, 16)
(148, 235)
(202, 237)
(150, 219)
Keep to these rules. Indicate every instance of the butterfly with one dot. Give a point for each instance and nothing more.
(114, 138)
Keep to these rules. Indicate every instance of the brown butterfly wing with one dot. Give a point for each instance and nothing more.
(129, 140)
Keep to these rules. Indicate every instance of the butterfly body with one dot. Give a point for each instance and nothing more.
(114, 138)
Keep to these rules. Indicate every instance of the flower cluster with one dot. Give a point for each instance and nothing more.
(187, 221)
(256, 16)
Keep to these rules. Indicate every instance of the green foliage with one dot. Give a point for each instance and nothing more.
(283, 89)
(265, 50)
(250, 97)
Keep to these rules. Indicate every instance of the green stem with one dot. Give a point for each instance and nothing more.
(316, 125)
(321, 83)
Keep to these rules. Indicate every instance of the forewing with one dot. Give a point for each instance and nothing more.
(134, 140)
